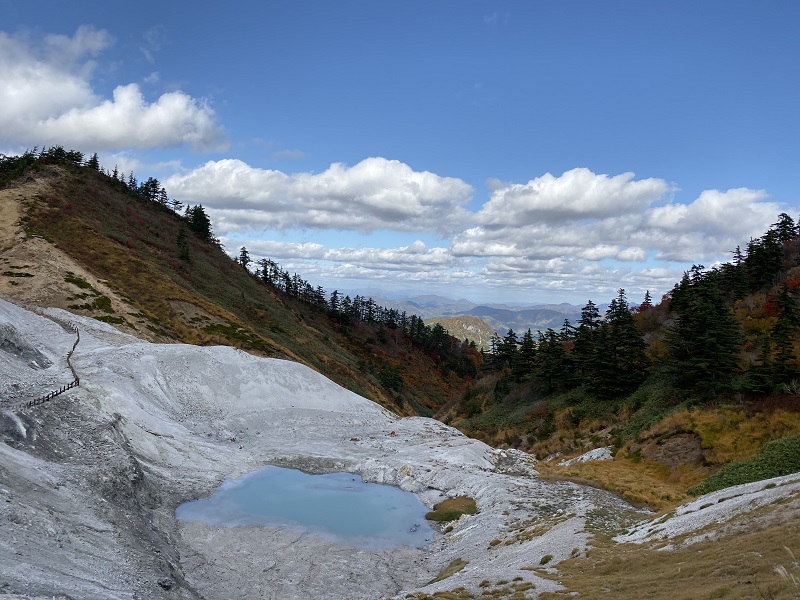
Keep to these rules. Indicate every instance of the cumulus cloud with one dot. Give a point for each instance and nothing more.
(597, 232)
(597, 217)
(411, 257)
(47, 97)
(577, 194)
(375, 194)
(729, 213)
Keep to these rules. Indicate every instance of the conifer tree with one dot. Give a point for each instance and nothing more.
(736, 272)
(552, 368)
(584, 352)
(244, 258)
(525, 357)
(704, 344)
(198, 222)
(647, 303)
(785, 228)
(620, 363)
(764, 260)
(783, 333)
(507, 349)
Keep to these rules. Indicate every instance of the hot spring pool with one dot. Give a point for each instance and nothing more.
(339, 507)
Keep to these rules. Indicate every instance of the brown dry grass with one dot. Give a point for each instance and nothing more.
(730, 434)
(645, 483)
(127, 249)
(737, 567)
(727, 434)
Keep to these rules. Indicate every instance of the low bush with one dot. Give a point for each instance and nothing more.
(775, 458)
(452, 508)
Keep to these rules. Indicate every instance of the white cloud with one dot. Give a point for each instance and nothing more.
(577, 194)
(729, 213)
(597, 217)
(403, 258)
(587, 247)
(375, 194)
(47, 98)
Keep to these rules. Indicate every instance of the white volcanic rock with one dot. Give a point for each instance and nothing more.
(90, 481)
(594, 454)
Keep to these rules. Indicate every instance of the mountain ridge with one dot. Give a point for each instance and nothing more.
(75, 239)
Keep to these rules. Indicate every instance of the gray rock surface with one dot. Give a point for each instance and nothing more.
(89, 482)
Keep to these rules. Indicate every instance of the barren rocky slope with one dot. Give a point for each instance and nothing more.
(90, 481)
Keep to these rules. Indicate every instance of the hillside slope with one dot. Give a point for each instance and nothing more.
(91, 481)
(468, 328)
(74, 238)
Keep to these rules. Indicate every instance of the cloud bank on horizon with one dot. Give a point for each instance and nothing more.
(376, 221)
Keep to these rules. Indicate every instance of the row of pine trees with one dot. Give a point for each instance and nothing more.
(605, 353)
(459, 356)
(734, 328)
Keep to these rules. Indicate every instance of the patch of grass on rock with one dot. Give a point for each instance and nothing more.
(451, 569)
(452, 508)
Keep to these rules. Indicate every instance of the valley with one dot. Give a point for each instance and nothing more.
(194, 371)
(92, 479)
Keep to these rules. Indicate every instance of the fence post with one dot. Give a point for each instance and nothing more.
(63, 388)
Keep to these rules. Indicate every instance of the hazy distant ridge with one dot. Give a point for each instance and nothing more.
(498, 317)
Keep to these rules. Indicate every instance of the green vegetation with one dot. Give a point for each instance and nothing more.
(775, 458)
(452, 508)
(689, 376)
(454, 567)
(78, 281)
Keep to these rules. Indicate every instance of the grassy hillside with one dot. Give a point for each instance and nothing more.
(671, 420)
(679, 389)
(142, 270)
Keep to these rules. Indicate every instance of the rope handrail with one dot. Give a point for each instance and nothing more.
(74, 383)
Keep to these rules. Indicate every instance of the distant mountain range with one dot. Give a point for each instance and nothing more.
(497, 317)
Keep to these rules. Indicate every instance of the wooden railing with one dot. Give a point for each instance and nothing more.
(74, 383)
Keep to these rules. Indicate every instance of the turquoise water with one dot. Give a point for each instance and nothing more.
(339, 507)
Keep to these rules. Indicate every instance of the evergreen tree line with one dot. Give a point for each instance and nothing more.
(709, 350)
(450, 353)
(712, 349)
(12, 167)
(605, 353)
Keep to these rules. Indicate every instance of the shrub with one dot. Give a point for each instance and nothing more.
(452, 508)
(775, 458)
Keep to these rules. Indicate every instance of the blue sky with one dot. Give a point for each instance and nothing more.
(498, 151)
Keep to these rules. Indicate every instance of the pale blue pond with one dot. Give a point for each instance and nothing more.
(339, 507)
